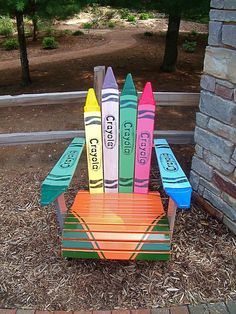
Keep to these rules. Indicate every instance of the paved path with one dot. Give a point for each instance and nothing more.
(115, 40)
(228, 307)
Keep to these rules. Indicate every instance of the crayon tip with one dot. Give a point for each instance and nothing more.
(129, 87)
(109, 80)
(91, 103)
(147, 97)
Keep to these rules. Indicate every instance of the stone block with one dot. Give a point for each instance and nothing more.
(160, 311)
(234, 154)
(181, 309)
(225, 184)
(220, 204)
(207, 207)
(216, 107)
(198, 309)
(231, 305)
(202, 168)
(217, 308)
(208, 82)
(232, 226)
(199, 151)
(215, 144)
(223, 130)
(224, 83)
(229, 35)
(224, 92)
(215, 33)
(202, 120)
(200, 190)
(219, 4)
(211, 187)
(216, 162)
(229, 200)
(221, 62)
(223, 15)
(229, 4)
(233, 162)
(194, 180)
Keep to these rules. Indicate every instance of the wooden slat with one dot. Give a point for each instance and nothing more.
(65, 98)
(9, 139)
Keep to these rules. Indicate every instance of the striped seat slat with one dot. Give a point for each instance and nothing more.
(96, 227)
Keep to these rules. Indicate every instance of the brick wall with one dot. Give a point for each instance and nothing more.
(213, 174)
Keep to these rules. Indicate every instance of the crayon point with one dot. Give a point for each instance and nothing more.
(129, 86)
(147, 97)
(91, 103)
(109, 80)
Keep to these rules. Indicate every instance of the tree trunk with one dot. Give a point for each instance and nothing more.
(171, 48)
(23, 49)
(35, 27)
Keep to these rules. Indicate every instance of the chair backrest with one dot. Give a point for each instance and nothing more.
(119, 137)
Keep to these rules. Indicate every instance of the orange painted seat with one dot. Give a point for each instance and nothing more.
(117, 226)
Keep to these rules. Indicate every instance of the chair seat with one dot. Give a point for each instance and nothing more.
(117, 226)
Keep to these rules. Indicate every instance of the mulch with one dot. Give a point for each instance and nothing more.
(34, 275)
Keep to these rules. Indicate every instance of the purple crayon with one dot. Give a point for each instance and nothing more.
(110, 131)
(144, 139)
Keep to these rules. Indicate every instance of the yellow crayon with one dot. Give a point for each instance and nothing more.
(93, 135)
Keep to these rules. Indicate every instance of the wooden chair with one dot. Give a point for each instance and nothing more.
(118, 218)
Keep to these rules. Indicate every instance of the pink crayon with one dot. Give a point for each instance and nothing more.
(144, 139)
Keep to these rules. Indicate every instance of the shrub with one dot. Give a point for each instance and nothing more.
(67, 32)
(109, 15)
(6, 26)
(148, 34)
(111, 24)
(189, 46)
(131, 18)
(10, 44)
(78, 33)
(144, 16)
(124, 13)
(87, 25)
(193, 33)
(49, 43)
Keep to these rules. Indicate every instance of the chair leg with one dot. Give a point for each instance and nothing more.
(171, 213)
(61, 210)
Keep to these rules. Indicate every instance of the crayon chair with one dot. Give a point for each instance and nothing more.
(118, 224)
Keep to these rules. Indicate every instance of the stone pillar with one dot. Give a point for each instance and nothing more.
(213, 174)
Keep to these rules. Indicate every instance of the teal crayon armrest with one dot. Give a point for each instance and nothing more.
(174, 180)
(58, 180)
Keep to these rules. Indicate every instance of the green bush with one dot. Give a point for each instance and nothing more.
(6, 26)
(193, 33)
(67, 32)
(109, 15)
(10, 44)
(49, 43)
(111, 24)
(78, 33)
(189, 46)
(144, 16)
(131, 18)
(87, 25)
(148, 34)
(124, 13)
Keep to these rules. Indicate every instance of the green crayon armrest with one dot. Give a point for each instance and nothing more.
(58, 180)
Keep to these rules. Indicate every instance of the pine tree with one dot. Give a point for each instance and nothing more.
(32, 8)
(175, 9)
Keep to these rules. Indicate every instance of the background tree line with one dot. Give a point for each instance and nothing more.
(62, 9)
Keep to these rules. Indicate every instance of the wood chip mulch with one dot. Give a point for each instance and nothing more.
(34, 275)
